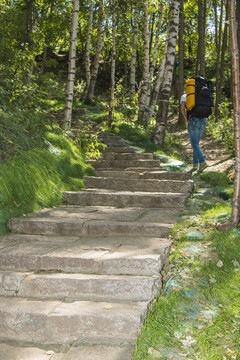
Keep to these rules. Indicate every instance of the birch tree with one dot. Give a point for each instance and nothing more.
(134, 52)
(165, 89)
(88, 42)
(113, 67)
(181, 84)
(145, 78)
(71, 66)
(236, 103)
(152, 94)
(100, 37)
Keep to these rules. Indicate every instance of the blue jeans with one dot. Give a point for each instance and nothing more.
(196, 128)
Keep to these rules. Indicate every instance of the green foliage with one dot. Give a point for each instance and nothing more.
(220, 181)
(36, 178)
(216, 179)
(24, 112)
(223, 129)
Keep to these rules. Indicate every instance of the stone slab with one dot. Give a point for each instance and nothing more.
(76, 221)
(166, 175)
(127, 156)
(92, 255)
(11, 352)
(84, 287)
(126, 163)
(143, 173)
(123, 199)
(99, 353)
(54, 322)
(47, 226)
(148, 185)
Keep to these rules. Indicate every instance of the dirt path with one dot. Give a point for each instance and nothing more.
(218, 158)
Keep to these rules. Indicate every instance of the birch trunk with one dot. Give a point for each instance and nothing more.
(134, 53)
(113, 67)
(165, 91)
(71, 66)
(181, 84)
(236, 102)
(220, 66)
(143, 100)
(91, 88)
(154, 60)
(88, 42)
(157, 84)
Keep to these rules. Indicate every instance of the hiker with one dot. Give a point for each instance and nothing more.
(196, 128)
(198, 101)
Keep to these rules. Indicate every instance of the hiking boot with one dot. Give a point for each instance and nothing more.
(194, 169)
(201, 167)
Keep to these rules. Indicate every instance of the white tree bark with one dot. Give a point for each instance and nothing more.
(155, 49)
(71, 66)
(113, 67)
(165, 90)
(134, 53)
(100, 39)
(143, 103)
(88, 42)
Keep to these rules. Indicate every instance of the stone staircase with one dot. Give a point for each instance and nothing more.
(76, 281)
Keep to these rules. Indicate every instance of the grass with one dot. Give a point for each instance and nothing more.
(36, 178)
(197, 315)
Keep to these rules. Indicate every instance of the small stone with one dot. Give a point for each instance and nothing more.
(195, 235)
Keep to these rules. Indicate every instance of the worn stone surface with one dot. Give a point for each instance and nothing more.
(87, 287)
(9, 352)
(94, 255)
(128, 156)
(149, 185)
(92, 221)
(123, 164)
(91, 197)
(99, 353)
(54, 322)
(76, 281)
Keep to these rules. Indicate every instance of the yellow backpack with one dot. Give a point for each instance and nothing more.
(191, 91)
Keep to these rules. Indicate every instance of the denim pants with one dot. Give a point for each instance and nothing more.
(196, 128)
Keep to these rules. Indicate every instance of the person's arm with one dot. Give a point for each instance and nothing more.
(183, 110)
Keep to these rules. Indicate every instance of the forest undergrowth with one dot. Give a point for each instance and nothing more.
(195, 317)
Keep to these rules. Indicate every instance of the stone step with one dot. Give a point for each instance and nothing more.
(85, 352)
(79, 287)
(55, 226)
(148, 185)
(166, 175)
(97, 220)
(110, 255)
(56, 322)
(127, 156)
(118, 149)
(123, 164)
(120, 199)
(143, 174)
